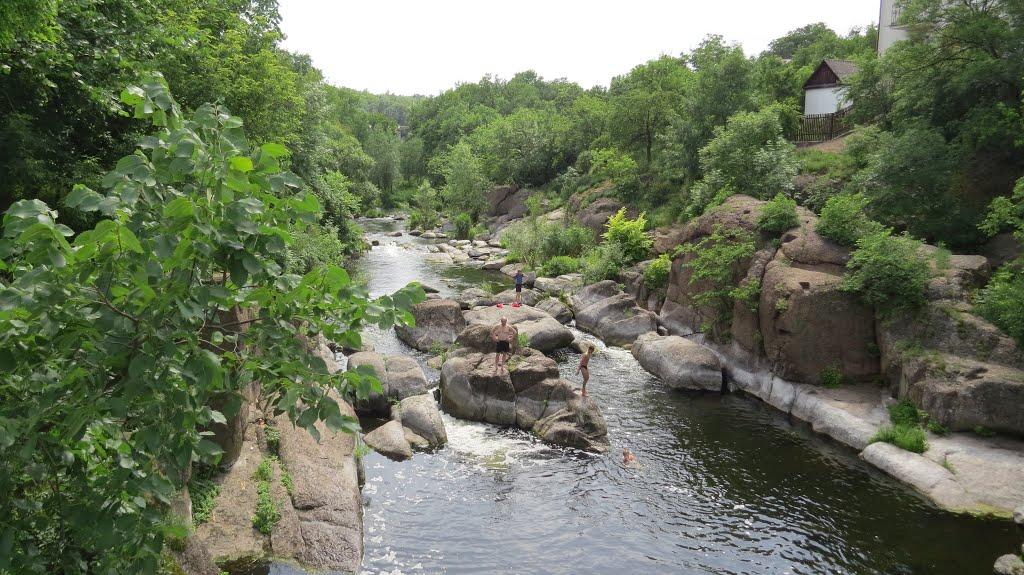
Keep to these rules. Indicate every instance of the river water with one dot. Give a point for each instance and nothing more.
(727, 485)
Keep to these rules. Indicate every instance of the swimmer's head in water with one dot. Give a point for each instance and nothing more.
(591, 348)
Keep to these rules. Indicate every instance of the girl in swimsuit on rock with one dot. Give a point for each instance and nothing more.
(584, 368)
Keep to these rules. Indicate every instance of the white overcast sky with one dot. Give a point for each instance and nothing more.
(424, 46)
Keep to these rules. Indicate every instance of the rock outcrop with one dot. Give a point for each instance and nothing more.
(606, 311)
(400, 377)
(565, 284)
(527, 394)
(325, 496)
(509, 201)
(438, 323)
(679, 362)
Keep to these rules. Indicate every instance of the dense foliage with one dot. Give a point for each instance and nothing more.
(889, 272)
(778, 215)
(122, 345)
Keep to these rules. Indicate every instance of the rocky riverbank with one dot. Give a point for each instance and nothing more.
(803, 329)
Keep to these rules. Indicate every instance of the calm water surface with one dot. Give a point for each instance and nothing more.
(726, 485)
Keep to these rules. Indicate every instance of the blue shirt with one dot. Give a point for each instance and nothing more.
(519, 278)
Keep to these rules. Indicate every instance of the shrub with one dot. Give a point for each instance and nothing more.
(778, 215)
(832, 377)
(888, 271)
(714, 260)
(908, 437)
(313, 246)
(463, 226)
(657, 272)
(423, 220)
(629, 235)
(748, 292)
(573, 240)
(749, 155)
(1002, 302)
(844, 221)
(534, 242)
(937, 428)
(905, 413)
(560, 265)
(603, 263)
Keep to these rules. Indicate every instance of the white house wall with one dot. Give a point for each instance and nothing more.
(824, 100)
(888, 32)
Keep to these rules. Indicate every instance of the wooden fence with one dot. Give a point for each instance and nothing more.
(824, 127)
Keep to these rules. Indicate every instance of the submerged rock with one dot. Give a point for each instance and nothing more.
(679, 362)
(528, 393)
(1009, 565)
(438, 323)
(389, 440)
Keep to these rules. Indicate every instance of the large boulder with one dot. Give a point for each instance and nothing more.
(616, 319)
(679, 362)
(595, 214)
(438, 323)
(555, 308)
(420, 415)
(579, 424)
(529, 277)
(507, 201)
(564, 284)
(389, 440)
(542, 331)
(528, 393)
(400, 377)
(810, 325)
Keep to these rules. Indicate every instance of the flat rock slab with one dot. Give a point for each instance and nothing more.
(990, 470)
(542, 331)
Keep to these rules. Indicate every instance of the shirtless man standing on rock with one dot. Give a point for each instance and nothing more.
(503, 336)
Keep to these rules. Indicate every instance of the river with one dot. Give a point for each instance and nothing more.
(727, 485)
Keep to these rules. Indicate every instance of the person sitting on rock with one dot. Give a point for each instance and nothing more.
(519, 289)
(503, 336)
(584, 368)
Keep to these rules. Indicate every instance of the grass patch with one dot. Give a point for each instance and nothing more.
(203, 490)
(832, 377)
(910, 438)
(267, 514)
(273, 435)
(906, 413)
(286, 480)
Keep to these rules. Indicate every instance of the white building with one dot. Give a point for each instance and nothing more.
(824, 92)
(889, 30)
